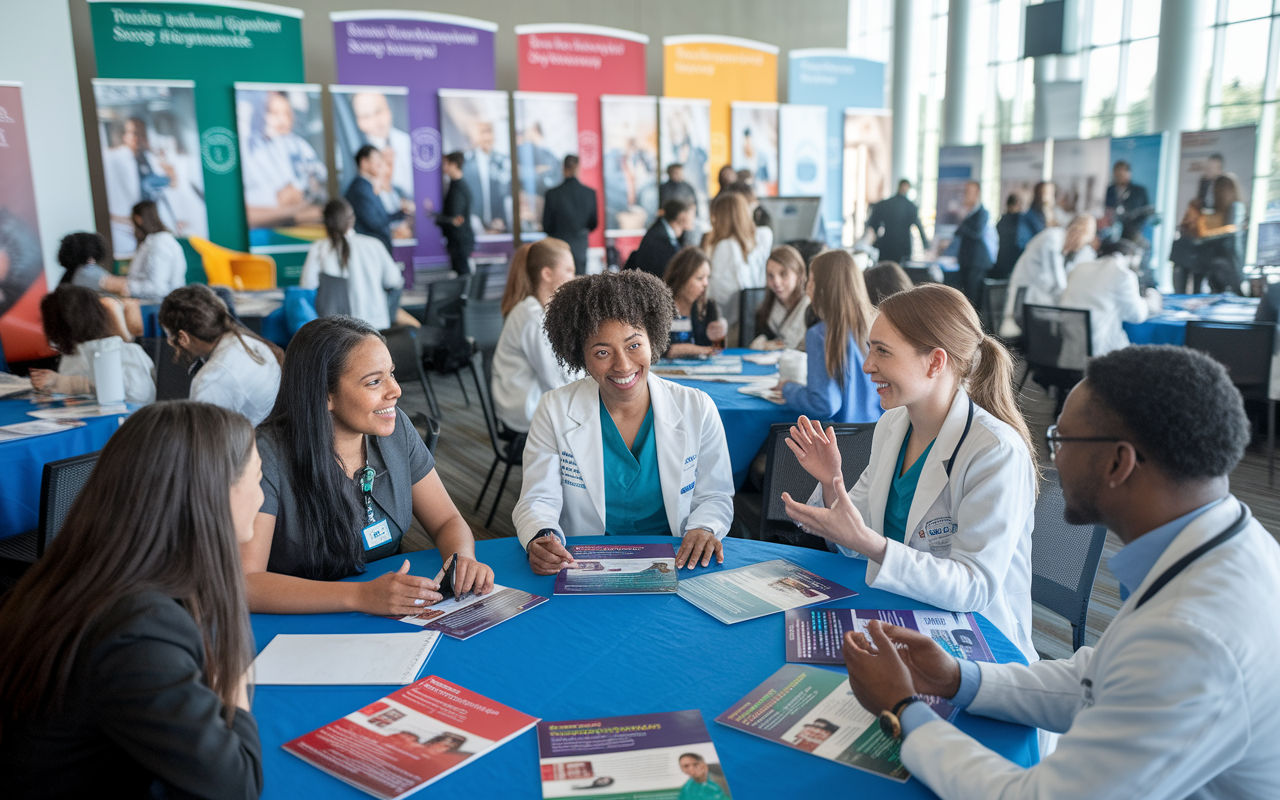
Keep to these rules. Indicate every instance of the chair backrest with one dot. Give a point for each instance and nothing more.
(60, 485)
(749, 301)
(783, 473)
(482, 321)
(428, 429)
(173, 377)
(919, 273)
(1019, 300)
(403, 347)
(486, 403)
(1244, 348)
(1056, 337)
(1064, 559)
(994, 293)
(445, 301)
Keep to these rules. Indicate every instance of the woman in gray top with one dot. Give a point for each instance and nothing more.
(344, 474)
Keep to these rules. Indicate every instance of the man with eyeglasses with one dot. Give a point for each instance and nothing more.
(1180, 697)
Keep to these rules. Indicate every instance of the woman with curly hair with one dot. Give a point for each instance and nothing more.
(623, 451)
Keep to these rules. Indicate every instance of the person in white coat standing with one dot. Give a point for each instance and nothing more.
(944, 510)
(1108, 287)
(524, 365)
(623, 451)
(1179, 698)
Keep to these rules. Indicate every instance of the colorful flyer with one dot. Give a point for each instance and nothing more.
(619, 569)
(410, 738)
(757, 590)
(816, 636)
(814, 710)
(462, 619)
(666, 756)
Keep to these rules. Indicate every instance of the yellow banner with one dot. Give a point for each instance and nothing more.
(722, 69)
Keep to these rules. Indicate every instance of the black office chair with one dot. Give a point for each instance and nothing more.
(783, 473)
(443, 338)
(994, 294)
(482, 323)
(1244, 348)
(173, 376)
(508, 445)
(1057, 344)
(60, 485)
(1064, 559)
(749, 301)
(402, 344)
(428, 430)
(922, 272)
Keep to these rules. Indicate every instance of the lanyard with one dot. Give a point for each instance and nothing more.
(967, 425)
(366, 485)
(1185, 561)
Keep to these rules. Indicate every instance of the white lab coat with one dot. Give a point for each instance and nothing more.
(1110, 291)
(1042, 270)
(158, 267)
(969, 545)
(370, 274)
(1177, 700)
(564, 462)
(230, 378)
(524, 366)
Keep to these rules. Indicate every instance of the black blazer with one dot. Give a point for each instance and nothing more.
(137, 712)
(457, 203)
(654, 252)
(371, 218)
(892, 219)
(569, 214)
(973, 247)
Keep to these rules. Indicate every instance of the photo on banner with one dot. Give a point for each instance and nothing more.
(684, 126)
(802, 156)
(22, 279)
(478, 124)
(377, 116)
(629, 128)
(546, 132)
(1208, 155)
(1022, 166)
(868, 166)
(150, 151)
(956, 167)
(754, 143)
(281, 134)
(1081, 174)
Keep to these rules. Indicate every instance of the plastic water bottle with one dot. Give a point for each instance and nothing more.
(108, 371)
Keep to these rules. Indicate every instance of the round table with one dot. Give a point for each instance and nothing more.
(1170, 325)
(24, 461)
(746, 419)
(577, 657)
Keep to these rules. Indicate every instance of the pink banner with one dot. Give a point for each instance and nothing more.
(22, 281)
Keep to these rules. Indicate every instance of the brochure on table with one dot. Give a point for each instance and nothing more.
(715, 365)
(619, 569)
(410, 738)
(816, 636)
(25, 430)
(344, 659)
(462, 619)
(737, 595)
(814, 710)
(647, 756)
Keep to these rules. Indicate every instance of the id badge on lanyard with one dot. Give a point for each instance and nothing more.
(375, 532)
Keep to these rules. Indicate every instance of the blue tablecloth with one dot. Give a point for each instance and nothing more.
(23, 461)
(576, 657)
(746, 419)
(1170, 326)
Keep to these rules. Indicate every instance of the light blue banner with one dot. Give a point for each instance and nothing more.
(837, 80)
(1144, 154)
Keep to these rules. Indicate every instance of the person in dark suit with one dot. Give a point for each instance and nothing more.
(372, 218)
(454, 218)
(144, 690)
(662, 241)
(1128, 204)
(1007, 231)
(488, 174)
(973, 257)
(892, 220)
(569, 214)
(676, 188)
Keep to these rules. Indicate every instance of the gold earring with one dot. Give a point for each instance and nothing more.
(1113, 484)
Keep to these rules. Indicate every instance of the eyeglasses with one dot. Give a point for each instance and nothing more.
(1054, 441)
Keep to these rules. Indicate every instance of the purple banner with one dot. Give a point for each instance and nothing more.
(425, 52)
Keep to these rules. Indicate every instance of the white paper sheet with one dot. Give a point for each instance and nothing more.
(80, 412)
(344, 659)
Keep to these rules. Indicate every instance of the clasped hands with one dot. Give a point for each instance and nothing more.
(894, 663)
(839, 521)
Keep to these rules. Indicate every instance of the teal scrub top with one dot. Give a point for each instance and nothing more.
(902, 491)
(692, 790)
(633, 504)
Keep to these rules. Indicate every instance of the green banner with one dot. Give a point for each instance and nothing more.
(213, 44)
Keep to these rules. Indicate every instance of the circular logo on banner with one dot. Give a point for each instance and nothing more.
(588, 149)
(426, 149)
(218, 149)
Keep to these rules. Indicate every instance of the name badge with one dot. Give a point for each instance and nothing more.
(376, 535)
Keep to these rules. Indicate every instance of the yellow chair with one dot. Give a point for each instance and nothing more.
(240, 271)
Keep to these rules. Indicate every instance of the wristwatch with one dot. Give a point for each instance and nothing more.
(891, 721)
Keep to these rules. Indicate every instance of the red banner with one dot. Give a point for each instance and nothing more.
(588, 61)
(22, 281)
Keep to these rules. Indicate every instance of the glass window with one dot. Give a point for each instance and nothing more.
(1244, 55)
(1008, 30)
(1100, 89)
(1238, 10)
(1144, 18)
(1140, 84)
(1107, 16)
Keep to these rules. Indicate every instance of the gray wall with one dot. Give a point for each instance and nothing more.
(790, 26)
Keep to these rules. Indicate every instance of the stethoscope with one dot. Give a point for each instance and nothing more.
(1172, 572)
(968, 423)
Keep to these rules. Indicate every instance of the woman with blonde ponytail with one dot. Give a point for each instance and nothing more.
(944, 510)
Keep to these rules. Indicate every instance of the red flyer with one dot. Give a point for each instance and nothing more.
(410, 738)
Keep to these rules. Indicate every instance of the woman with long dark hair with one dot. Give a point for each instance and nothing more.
(241, 369)
(361, 260)
(1040, 214)
(76, 324)
(780, 319)
(159, 266)
(344, 474)
(124, 650)
(698, 323)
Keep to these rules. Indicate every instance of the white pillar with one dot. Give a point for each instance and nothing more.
(906, 110)
(956, 110)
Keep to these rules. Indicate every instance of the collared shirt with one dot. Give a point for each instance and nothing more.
(1130, 567)
(671, 234)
